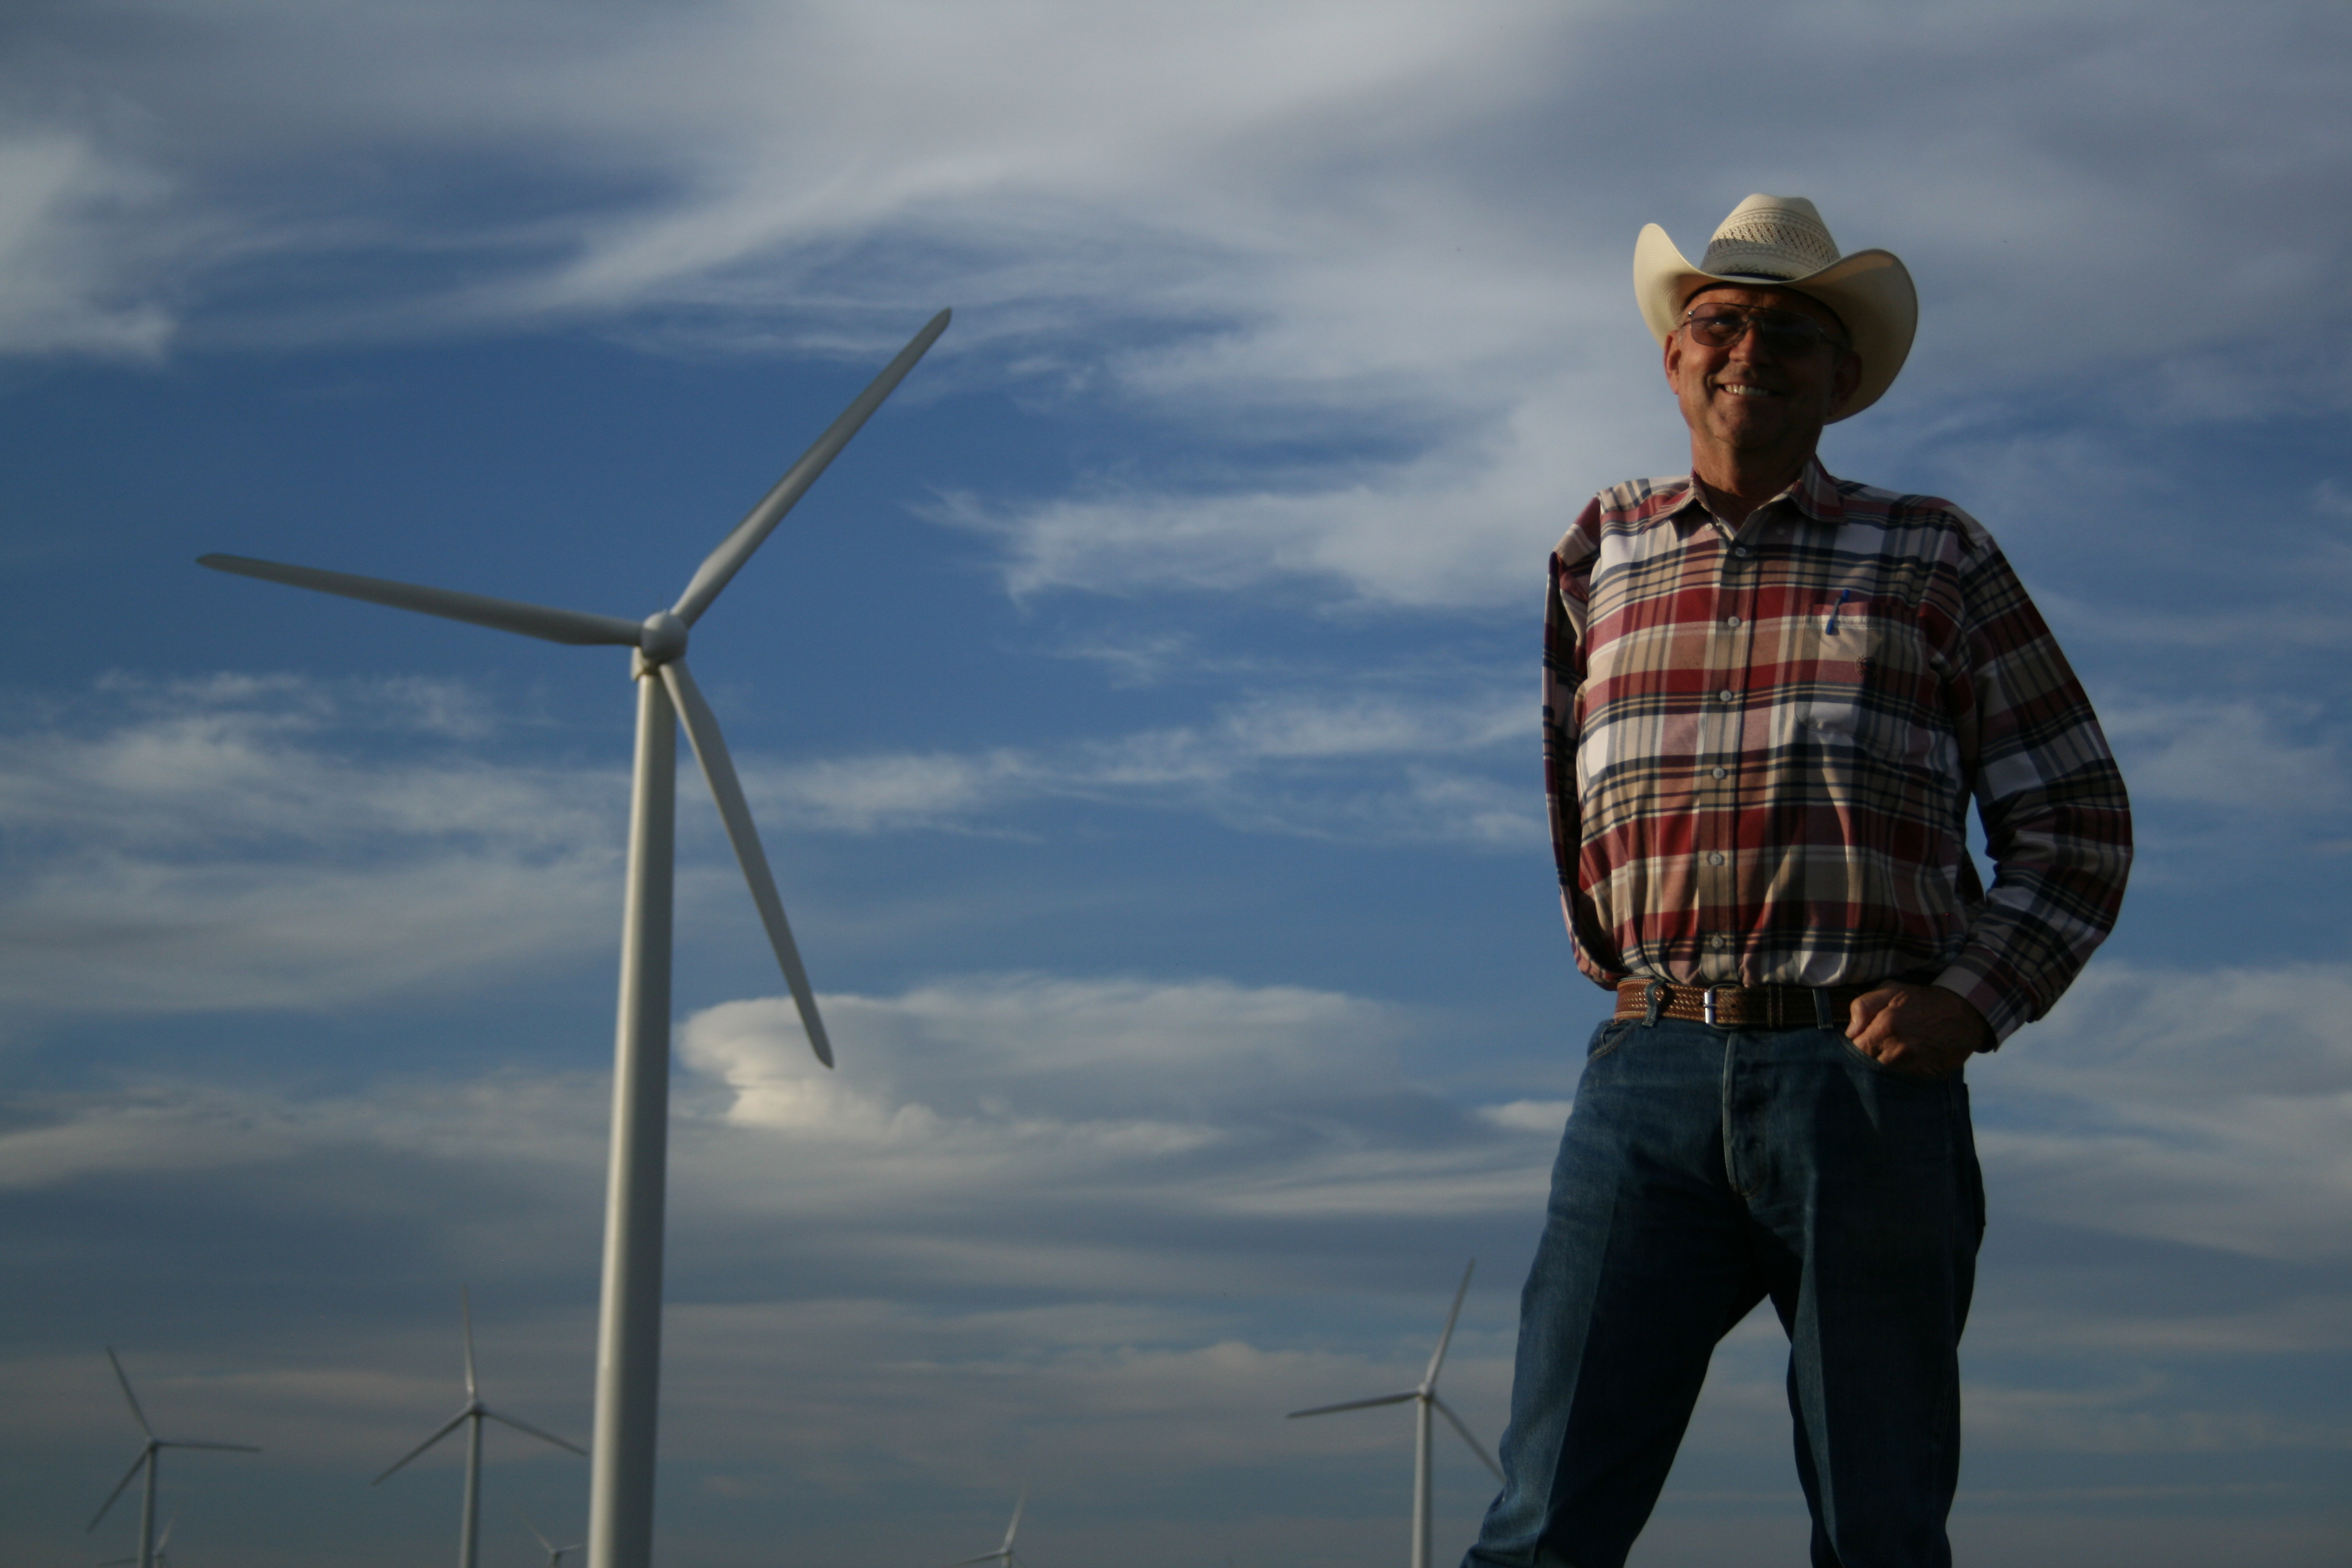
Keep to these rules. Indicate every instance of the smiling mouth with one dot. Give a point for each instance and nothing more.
(1744, 389)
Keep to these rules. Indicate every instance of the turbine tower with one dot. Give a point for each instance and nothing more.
(628, 1337)
(1003, 1556)
(469, 1528)
(1424, 1400)
(146, 1461)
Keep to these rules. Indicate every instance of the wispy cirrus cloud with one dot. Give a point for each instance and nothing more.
(242, 841)
(2275, 760)
(1366, 764)
(235, 842)
(2210, 1108)
(1395, 227)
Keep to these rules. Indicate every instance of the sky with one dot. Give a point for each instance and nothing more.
(1141, 719)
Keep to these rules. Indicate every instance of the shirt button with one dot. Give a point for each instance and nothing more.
(1721, 772)
(1715, 859)
(1718, 939)
(1740, 551)
(1727, 694)
(1731, 620)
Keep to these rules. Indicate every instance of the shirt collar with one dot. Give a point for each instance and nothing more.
(1814, 493)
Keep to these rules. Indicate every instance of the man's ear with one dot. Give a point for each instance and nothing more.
(1674, 359)
(1845, 380)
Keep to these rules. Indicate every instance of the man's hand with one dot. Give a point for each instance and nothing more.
(1921, 1029)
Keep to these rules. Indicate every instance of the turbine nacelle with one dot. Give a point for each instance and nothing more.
(660, 640)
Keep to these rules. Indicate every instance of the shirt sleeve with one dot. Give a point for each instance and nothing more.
(2057, 822)
(1566, 604)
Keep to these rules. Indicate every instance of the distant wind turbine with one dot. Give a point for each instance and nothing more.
(1424, 1399)
(628, 1336)
(556, 1554)
(1003, 1556)
(146, 1461)
(469, 1529)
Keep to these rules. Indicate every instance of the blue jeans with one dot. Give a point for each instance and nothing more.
(1704, 1169)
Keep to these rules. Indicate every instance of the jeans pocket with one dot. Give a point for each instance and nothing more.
(1858, 1056)
(1608, 1036)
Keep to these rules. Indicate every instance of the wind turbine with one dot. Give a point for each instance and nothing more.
(556, 1554)
(1424, 1399)
(146, 1461)
(469, 1529)
(629, 1335)
(1003, 1556)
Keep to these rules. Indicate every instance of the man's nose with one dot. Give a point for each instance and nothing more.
(1751, 344)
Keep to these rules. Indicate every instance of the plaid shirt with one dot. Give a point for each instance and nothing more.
(1760, 747)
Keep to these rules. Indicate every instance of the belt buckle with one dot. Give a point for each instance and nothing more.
(1707, 1005)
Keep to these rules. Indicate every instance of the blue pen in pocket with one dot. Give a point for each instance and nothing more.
(1830, 628)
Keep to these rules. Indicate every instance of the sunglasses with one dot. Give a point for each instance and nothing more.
(1781, 331)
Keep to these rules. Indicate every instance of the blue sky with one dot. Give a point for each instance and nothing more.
(1141, 719)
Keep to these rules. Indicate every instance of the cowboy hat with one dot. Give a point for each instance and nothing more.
(1781, 241)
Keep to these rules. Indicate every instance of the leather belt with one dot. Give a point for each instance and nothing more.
(1737, 1006)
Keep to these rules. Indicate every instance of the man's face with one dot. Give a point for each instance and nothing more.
(1752, 395)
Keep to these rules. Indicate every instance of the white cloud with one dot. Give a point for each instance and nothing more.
(2140, 1416)
(1464, 523)
(1099, 1062)
(229, 843)
(2210, 1108)
(1039, 1224)
(966, 1113)
(76, 242)
(2276, 760)
(1545, 1116)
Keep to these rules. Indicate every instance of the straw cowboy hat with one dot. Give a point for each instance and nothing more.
(1781, 240)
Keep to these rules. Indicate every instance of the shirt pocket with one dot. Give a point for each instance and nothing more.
(1865, 681)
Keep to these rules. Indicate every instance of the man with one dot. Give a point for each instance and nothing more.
(1769, 696)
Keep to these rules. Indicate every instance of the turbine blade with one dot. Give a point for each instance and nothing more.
(466, 1309)
(1475, 1446)
(124, 1378)
(576, 627)
(1356, 1405)
(710, 749)
(545, 1544)
(1430, 1378)
(455, 1422)
(719, 567)
(1014, 1528)
(533, 1431)
(146, 1456)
